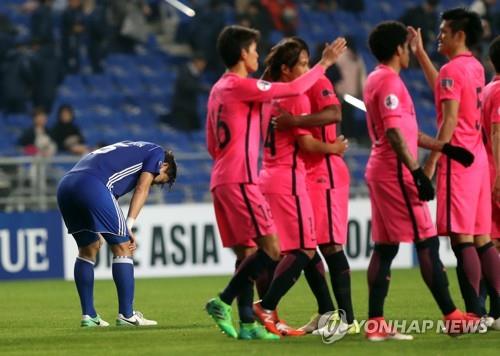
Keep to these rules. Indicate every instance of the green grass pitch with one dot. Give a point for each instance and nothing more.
(43, 318)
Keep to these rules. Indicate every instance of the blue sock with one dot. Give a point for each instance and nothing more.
(84, 279)
(123, 275)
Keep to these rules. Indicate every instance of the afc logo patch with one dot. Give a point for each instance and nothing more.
(447, 83)
(263, 85)
(391, 102)
(326, 92)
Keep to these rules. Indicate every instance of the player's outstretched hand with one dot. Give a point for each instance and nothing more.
(333, 51)
(416, 42)
(424, 185)
(459, 154)
(341, 145)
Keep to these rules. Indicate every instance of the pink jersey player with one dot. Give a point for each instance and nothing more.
(234, 113)
(397, 213)
(491, 115)
(283, 179)
(463, 193)
(327, 175)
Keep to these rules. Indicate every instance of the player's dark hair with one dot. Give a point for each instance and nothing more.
(385, 39)
(232, 40)
(172, 167)
(461, 19)
(494, 53)
(287, 52)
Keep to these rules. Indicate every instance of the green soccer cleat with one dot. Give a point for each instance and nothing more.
(354, 328)
(221, 313)
(89, 322)
(255, 331)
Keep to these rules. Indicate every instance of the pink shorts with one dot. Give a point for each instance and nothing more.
(397, 213)
(242, 214)
(330, 207)
(294, 220)
(464, 202)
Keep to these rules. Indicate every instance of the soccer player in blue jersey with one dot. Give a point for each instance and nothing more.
(87, 197)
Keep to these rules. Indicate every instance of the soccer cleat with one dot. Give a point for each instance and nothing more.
(137, 319)
(458, 322)
(287, 330)
(89, 322)
(268, 318)
(354, 328)
(255, 331)
(221, 314)
(312, 325)
(377, 329)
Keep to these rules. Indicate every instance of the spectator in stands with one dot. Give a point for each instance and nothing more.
(72, 30)
(42, 22)
(354, 6)
(128, 22)
(36, 140)
(254, 15)
(424, 16)
(97, 32)
(17, 76)
(284, 15)
(66, 133)
(352, 70)
(46, 74)
(184, 115)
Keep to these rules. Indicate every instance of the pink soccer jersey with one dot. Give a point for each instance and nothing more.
(320, 166)
(463, 194)
(388, 105)
(491, 115)
(234, 111)
(462, 79)
(283, 168)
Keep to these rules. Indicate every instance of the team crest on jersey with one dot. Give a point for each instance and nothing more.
(391, 101)
(447, 83)
(326, 92)
(263, 85)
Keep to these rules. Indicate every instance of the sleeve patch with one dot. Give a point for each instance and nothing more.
(327, 93)
(391, 102)
(447, 83)
(263, 85)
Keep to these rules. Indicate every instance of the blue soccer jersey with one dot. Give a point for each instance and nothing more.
(119, 165)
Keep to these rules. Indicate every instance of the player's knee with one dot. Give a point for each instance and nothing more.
(90, 251)
(386, 251)
(330, 249)
(481, 240)
(270, 245)
(431, 242)
(122, 249)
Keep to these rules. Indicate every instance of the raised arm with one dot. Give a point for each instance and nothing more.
(423, 59)
(457, 153)
(260, 90)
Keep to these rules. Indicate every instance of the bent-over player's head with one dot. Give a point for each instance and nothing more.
(237, 43)
(389, 39)
(287, 60)
(168, 170)
(459, 27)
(494, 54)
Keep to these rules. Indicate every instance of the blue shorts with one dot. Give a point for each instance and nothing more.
(87, 205)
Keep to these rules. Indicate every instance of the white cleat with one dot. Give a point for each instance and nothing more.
(89, 322)
(492, 324)
(137, 319)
